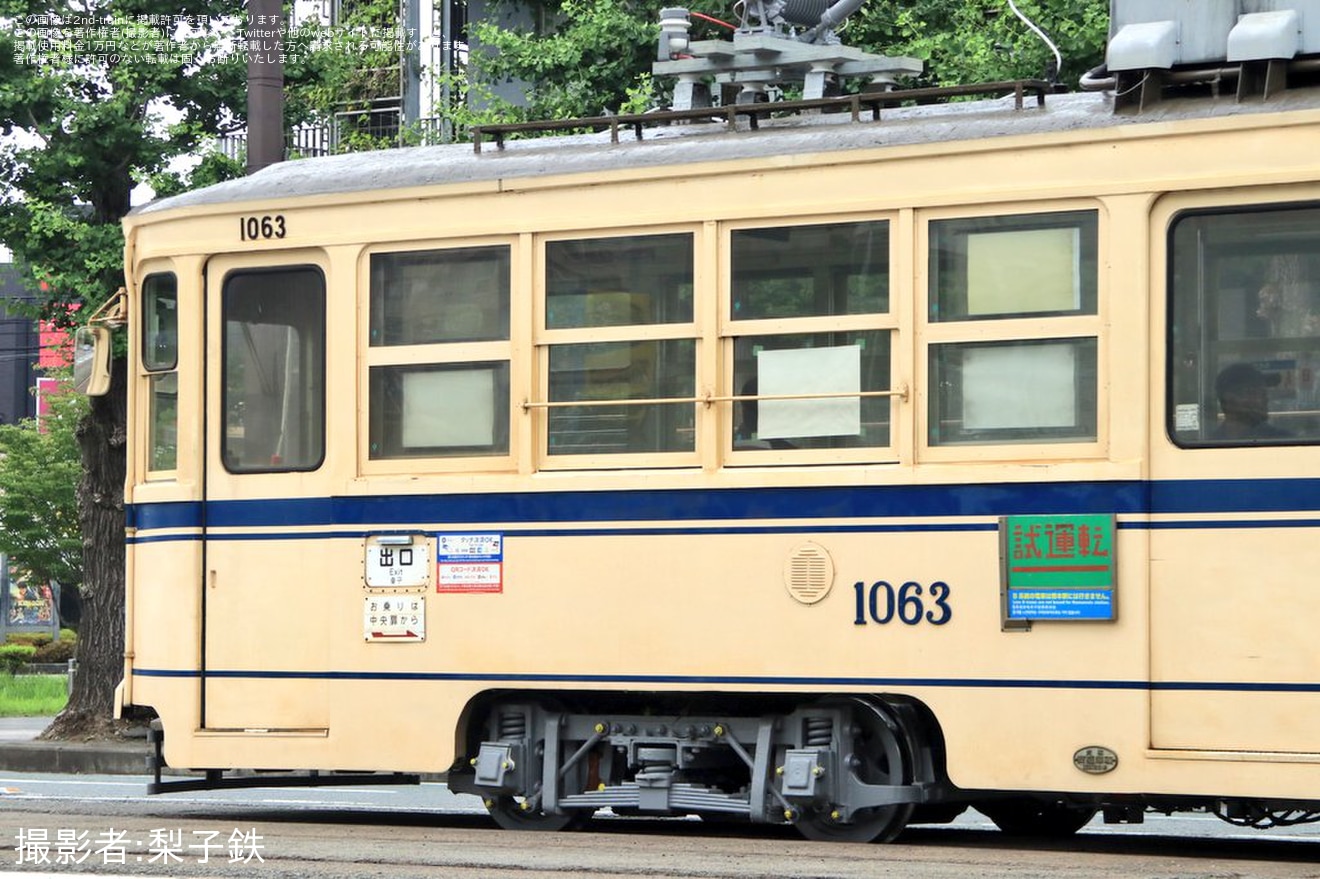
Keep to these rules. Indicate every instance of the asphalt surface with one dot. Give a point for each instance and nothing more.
(21, 751)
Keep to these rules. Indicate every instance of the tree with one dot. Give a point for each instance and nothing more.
(95, 121)
(39, 471)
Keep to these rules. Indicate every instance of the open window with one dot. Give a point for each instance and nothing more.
(1245, 326)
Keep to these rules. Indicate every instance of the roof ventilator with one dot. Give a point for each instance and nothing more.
(1155, 44)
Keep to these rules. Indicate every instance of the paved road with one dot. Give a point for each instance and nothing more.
(411, 832)
(282, 839)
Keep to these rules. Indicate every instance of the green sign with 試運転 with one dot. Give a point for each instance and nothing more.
(1058, 567)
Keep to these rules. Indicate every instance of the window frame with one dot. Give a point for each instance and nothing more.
(321, 356)
(1044, 327)
(1190, 209)
(731, 329)
(544, 338)
(151, 374)
(440, 355)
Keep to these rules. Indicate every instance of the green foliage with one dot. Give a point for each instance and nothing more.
(214, 167)
(32, 639)
(54, 652)
(33, 695)
(15, 656)
(39, 472)
(91, 129)
(968, 41)
(596, 53)
(48, 649)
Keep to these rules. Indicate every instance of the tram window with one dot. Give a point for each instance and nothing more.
(1245, 326)
(800, 271)
(163, 421)
(273, 380)
(455, 295)
(605, 371)
(987, 268)
(822, 286)
(160, 356)
(160, 325)
(811, 363)
(611, 282)
(641, 285)
(1042, 390)
(439, 410)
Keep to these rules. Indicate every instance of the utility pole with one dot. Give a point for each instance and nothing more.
(265, 83)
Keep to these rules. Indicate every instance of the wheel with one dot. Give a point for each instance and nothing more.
(510, 814)
(884, 756)
(523, 722)
(1040, 818)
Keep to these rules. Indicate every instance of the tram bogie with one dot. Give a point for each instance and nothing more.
(844, 767)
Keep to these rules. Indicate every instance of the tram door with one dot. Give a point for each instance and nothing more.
(1236, 549)
(264, 636)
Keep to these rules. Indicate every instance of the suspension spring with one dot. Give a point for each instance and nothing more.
(819, 732)
(513, 725)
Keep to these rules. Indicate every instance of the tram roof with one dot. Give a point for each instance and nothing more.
(701, 143)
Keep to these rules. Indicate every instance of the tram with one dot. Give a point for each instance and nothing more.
(824, 471)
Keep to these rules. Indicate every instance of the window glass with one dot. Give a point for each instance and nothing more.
(273, 391)
(160, 357)
(163, 421)
(458, 295)
(610, 282)
(160, 322)
(1245, 326)
(605, 371)
(986, 268)
(801, 271)
(799, 364)
(1013, 392)
(439, 410)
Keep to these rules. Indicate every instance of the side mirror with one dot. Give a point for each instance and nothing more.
(91, 361)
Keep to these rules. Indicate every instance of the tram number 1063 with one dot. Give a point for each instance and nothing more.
(258, 228)
(909, 604)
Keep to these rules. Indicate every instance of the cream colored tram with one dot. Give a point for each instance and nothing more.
(834, 473)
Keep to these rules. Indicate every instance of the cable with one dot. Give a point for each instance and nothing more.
(713, 20)
(1058, 59)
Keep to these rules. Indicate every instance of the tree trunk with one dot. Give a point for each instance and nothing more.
(102, 439)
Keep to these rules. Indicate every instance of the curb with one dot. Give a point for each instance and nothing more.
(74, 758)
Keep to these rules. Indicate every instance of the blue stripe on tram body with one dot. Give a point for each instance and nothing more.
(873, 683)
(824, 505)
(662, 505)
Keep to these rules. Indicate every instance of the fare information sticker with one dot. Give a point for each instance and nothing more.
(470, 562)
(394, 560)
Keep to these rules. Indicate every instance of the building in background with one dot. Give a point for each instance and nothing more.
(20, 349)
